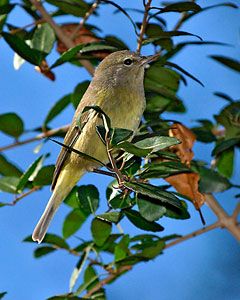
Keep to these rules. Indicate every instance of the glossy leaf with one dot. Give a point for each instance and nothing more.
(78, 92)
(73, 222)
(88, 198)
(72, 198)
(225, 145)
(150, 210)
(7, 168)
(153, 192)
(225, 163)
(137, 220)
(42, 251)
(11, 124)
(51, 239)
(112, 216)
(57, 108)
(9, 184)
(43, 38)
(163, 169)
(121, 249)
(172, 212)
(31, 173)
(78, 269)
(228, 62)
(121, 201)
(181, 7)
(19, 46)
(44, 176)
(76, 8)
(212, 182)
(100, 231)
(152, 250)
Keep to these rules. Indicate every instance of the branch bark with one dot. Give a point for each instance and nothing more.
(144, 25)
(59, 33)
(36, 138)
(226, 221)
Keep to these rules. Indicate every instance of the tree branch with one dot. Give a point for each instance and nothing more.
(36, 138)
(226, 221)
(193, 234)
(143, 26)
(106, 280)
(84, 19)
(59, 33)
(23, 195)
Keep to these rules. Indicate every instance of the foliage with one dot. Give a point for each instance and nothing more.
(155, 152)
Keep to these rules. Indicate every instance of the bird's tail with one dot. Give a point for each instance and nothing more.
(61, 190)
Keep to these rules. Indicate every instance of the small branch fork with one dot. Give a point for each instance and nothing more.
(144, 25)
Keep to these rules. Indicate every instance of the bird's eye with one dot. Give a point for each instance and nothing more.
(128, 61)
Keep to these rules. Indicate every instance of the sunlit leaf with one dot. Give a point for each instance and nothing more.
(7, 168)
(43, 38)
(88, 198)
(9, 184)
(100, 231)
(73, 222)
(11, 124)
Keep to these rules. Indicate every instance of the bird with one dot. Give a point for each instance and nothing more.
(118, 89)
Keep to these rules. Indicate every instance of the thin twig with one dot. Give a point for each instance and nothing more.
(106, 280)
(23, 195)
(85, 18)
(143, 26)
(60, 34)
(226, 221)
(36, 138)
(40, 21)
(193, 234)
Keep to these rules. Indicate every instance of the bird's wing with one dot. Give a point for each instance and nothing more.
(70, 139)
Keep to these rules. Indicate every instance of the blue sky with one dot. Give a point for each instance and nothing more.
(203, 268)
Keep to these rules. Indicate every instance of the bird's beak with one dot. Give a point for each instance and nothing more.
(145, 60)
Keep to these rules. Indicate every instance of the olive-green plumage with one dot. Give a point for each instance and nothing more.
(117, 88)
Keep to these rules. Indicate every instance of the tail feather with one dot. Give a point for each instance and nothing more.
(44, 222)
(65, 183)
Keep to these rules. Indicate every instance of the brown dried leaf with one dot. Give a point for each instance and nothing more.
(82, 35)
(43, 68)
(187, 138)
(185, 183)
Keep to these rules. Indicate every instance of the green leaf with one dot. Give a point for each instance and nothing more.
(73, 222)
(88, 198)
(43, 38)
(57, 108)
(2, 294)
(9, 184)
(44, 250)
(31, 173)
(153, 192)
(121, 201)
(11, 124)
(78, 92)
(135, 218)
(152, 250)
(224, 96)
(72, 198)
(112, 217)
(181, 7)
(7, 168)
(90, 276)
(100, 231)
(148, 145)
(76, 8)
(150, 210)
(165, 34)
(78, 269)
(225, 163)
(121, 249)
(19, 46)
(44, 176)
(163, 169)
(228, 62)
(116, 135)
(212, 182)
(225, 145)
(81, 49)
(175, 213)
(52, 239)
